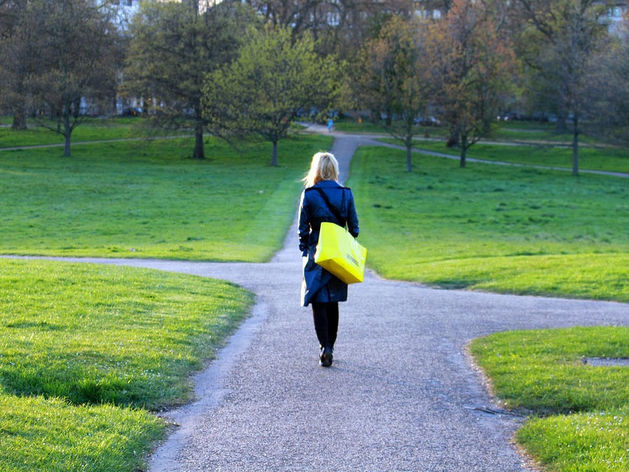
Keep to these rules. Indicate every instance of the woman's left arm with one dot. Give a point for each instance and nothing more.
(352, 217)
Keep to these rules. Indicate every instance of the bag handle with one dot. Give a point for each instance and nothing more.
(331, 207)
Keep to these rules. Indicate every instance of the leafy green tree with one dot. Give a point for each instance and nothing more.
(173, 48)
(271, 81)
(391, 78)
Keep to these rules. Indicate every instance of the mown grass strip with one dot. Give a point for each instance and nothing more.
(54, 436)
(93, 129)
(146, 199)
(94, 334)
(580, 420)
(609, 159)
(493, 228)
(593, 442)
(513, 131)
(542, 370)
(86, 349)
(595, 275)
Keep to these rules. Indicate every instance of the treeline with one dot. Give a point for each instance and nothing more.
(233, 69)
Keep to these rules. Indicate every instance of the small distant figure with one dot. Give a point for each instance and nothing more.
(330, 125)
(360, 120)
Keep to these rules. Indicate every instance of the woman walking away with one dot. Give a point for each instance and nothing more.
(324, 199)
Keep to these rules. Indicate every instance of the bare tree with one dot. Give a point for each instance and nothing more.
(391, 77)
(471, 67)
(74, 40)
(338, 26)
(566, 37)
(174, 47)
(608, 97)
(16, 49)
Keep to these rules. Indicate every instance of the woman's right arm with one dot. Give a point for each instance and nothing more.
(304, 224)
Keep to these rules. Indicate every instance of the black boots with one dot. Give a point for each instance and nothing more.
(325, 358)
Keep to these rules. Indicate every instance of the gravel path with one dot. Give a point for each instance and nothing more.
(401, 395)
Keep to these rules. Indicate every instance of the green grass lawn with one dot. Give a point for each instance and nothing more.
(514, 131)
(580, 420)
(39, 434)
(86, 349)
(531, 130)
(147, 199)
(493, 228)
(612, 159)
(349, 125)
(93, 129)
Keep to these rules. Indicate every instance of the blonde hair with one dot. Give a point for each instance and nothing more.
(324, 166)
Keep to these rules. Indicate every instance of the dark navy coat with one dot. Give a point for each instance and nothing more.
(318, 284)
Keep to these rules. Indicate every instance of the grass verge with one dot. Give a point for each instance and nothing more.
(580, 411)
(93, 129)
(52, 435)
(608, 159)
(147, 199)
(514, 131)
(86, 349)
(92, 333)
(491, 227)
(349, 125)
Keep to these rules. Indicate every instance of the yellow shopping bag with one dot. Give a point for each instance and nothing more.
(340, 254)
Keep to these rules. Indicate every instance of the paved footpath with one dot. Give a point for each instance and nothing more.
(401, 395)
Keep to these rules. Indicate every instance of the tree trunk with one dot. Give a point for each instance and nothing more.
(199, 152)
(562, 128)
(575, 145)
(453, 140)
(19, 119)
(67, 133)
(409, 145)
(114, 104)
(19, 113)
(463, 149)
(274, 156)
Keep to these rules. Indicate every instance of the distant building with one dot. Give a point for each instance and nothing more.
(429, 9)
(615, 16)
(125, 9)
(434, 9)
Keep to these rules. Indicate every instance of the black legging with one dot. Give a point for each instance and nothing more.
(326, 321)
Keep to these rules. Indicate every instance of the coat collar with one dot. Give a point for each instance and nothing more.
(327, 183)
